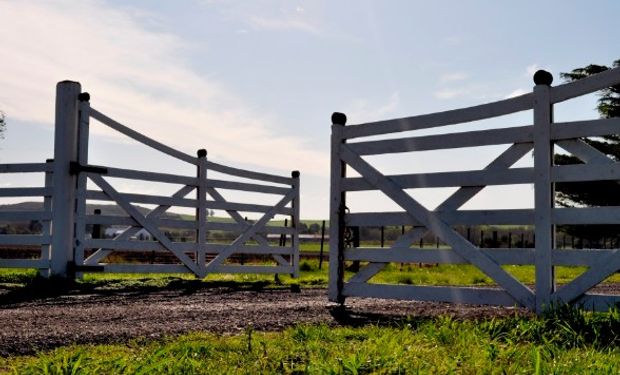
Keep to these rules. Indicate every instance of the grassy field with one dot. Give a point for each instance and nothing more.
(568, 342)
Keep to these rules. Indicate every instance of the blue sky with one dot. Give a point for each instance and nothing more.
(256, 82)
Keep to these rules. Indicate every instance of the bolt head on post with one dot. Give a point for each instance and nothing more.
(339, 118)
(543, 77)
(202, 153)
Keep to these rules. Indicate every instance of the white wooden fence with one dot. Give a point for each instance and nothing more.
(539, 137)
(74, 248)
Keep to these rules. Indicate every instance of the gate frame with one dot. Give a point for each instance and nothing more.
(541, 136)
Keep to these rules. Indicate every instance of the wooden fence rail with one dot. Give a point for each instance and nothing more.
(347, 153)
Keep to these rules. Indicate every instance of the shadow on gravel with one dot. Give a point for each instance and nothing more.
(41, 288)
(346, 317)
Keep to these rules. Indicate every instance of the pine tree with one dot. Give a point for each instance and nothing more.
(596, 193)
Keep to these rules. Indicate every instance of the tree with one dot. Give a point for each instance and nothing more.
(597, 193)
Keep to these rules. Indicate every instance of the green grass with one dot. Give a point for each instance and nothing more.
(565, 342)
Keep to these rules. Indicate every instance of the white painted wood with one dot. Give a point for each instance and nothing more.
(463, 217)
(141, 138)
(128, 221)
(586, 85)
(461, 295)
(584, 151)
(514, 256)
(249, 174)
(463, 115)
(201, 212)
(80, 207)
(244, 186)
(24, 239)
(543, 197)
(213, 248)
(519, 134)
(597, 302)
(24, 263)
(134, 245)
(156, 213)
(146, 224)
(519, 291)
(25, 192)
(46, 224)
(25, 215)
(25, 167)
(142, 198)
(366, 272)
(601, 269)
(250, 232)
(65, 151)
(336, 203)
(239, 227)
(145, 268)
(585, 172)
(449, 179)
(245, 207)
(225, 268)
(296, 224)
(590, 128)
(578, 257)
(587, 215)
(151, 176)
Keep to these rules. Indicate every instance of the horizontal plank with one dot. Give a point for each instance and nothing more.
(448, 179)
(591, 128)
(597, 302)
(521, 134)
(26, 167)
(151, 176)
(243, 186)
(141, 137)
(245, 207)
(459, 217)
(250, 249)
(226, 268)
(248, 174)
(24, 239)
(24, 263)
(578, 257)
(144, 199)
(585, 86)
(457, 116)
(239, 227)
(145, 268)
(412, 255)
(25, 215)
(128, 245)
(26, 192)
(586, 215)
(461, 295)
(585, 172)
(128, 221)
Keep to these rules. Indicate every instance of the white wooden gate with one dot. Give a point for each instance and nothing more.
(70, 245)
(539, 137)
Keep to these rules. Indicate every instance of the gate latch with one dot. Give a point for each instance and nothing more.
(75, 168)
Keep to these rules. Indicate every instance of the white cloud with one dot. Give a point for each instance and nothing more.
(517, 92)
(137, 76)
(531, 69)
(361, 110)
(284, 23)
(451, 93)
(452, 77)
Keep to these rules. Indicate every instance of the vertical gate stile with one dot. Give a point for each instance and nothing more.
(63, 200)
(201, 212)
(80, 208)
(46, 224)
(544, 230)
(336, 211)
(295, 223)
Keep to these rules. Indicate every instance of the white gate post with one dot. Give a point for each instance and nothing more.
(336, 212)
(201, 211)
(296, 224)
(544, 192)
(63, 199)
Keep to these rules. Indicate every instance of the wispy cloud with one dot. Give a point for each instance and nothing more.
(135, 75)
(452, 77)
(517, 92)
(285, 23)
(361, 110)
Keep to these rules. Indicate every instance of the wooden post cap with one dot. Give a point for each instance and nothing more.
(84, 97)
(543, 77)
(202, 153)
(295, 174)
(339, 118)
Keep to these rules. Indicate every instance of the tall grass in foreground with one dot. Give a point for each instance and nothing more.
(565, 341)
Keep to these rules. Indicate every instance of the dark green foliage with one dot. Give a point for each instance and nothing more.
(597, 193)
